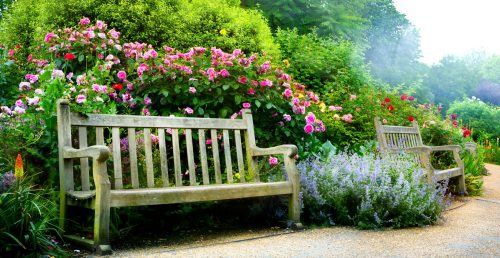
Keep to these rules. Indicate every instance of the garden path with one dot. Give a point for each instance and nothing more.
(471, 228)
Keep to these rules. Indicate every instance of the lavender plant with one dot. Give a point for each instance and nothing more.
(368, 192)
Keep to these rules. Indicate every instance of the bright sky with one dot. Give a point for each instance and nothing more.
(453, 26)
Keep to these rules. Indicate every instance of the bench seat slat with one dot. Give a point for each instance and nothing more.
(139, 197)
(156, 122)
(399, 129)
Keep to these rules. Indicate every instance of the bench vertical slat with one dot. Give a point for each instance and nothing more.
(203, 156)
(117, 158)
(84, 162)
(215, 151)
(177, 157)
(239, 155)
(227, 154)
(163, 158)
(132, 151)
(190, 155)
(149, 158)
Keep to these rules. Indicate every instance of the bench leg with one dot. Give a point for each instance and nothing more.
(101, 222)
(462, 189)
(294, 198)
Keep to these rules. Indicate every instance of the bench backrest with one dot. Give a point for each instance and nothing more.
(178, 147)
(397, 137)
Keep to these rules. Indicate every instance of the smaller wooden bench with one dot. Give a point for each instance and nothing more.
(180, 177)
(394, 139)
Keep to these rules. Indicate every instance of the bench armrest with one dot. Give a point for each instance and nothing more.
(288, 150)
(97, 152)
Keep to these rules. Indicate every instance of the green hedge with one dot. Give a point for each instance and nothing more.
(176, 23)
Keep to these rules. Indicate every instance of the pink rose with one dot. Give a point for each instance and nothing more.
(273, 161)
(192, 90)
(84, 21)
(246, 105)
(309, 128)
(122, 75)
(310, 118)
(287, 117)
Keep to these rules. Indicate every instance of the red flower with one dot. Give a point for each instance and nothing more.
(455, 122)
(387, 99)
(19, 46)
(467, 132)
(382, 104)
(438, 109)
(117, 87)
(391, 107)
(410, 118)
(69, 56)
(411, 98)
(453, 116)
(404, 97)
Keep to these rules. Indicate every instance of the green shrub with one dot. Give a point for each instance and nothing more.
(323, 64)
(368, 192)
(478, 116)
(27, 219)
(177, 23)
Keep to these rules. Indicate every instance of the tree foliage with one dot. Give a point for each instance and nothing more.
(176, 23)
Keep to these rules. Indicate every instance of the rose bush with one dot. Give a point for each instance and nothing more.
(91, 67)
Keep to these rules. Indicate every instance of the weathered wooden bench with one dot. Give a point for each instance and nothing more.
(177, 178)
(394, 139)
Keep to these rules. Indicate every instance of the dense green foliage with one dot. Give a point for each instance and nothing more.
(483, 118)
(177, 23)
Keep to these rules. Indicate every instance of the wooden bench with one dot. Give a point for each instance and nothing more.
(394, 139)
(177, 179)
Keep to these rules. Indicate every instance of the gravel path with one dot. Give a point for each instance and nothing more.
(471, 228)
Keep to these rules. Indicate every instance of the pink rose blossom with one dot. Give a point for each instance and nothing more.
(224, 73)
(188, 111)
(147, 101)
(242, 79)
(145, 111)
(246, 105)
(287, 93)
(352, 97)
(84, 21)
(19, 110)
(234, 116)
(80, 99)
(208, 142)
(251, 91)
(287, 117)
(39, 91)
(122, 75)
(19, 103)
(309, 128)
(266, 83)
(310, 118)
(273, 161)
(192, 90)
(24, 86)
(347, 118)
(49, 36)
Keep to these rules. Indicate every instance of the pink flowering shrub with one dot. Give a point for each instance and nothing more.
(105, 75)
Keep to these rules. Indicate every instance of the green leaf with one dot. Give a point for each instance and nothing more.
(164, 93)
(237, 99)
(201, 111)
(225, 87)
(269, 105)
(257, 103)
(81, 57)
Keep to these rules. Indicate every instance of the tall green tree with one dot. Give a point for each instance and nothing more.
(451, 79)
(393, 44)
(337, 18)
